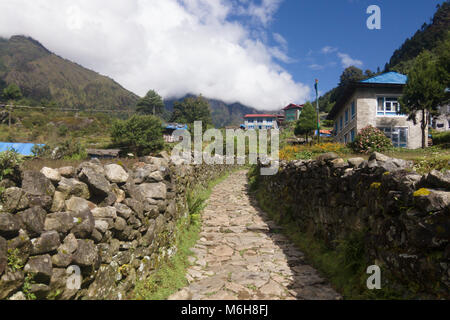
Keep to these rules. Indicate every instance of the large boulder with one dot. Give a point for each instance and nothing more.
(149, 191)
(115, 173)
(436, 179)
(84, 224)
(51, 174)
(36, 183)
(86, 254)
(77, 204)
(96, 181)
(47, 242)
(59, 201)
(33, 220)
(40, 267)
(61, 222)
(73, 187)
(9, 225)
(67, 172)
(10, 282)
(14, 199)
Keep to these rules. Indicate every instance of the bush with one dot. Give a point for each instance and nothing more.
(67, 150)
(305, 152)
(441, 138)
(140, 135)
(10, 162)
(371, 139)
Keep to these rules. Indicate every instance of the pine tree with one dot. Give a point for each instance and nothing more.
(152, 104)
(307, 121)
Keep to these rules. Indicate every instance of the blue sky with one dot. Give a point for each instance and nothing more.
(262, 53)
(310, 26)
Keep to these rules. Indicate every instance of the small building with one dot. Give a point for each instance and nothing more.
(260, 121)
(375, 102)
(292, 112)
(170, 128)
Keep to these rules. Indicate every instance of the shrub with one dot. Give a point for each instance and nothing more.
(441, 138)
(140, 135)
(371, 139)
(10, 162)
(67, 150)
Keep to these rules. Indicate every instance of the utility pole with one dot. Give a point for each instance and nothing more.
(9, 115)
(316, 85)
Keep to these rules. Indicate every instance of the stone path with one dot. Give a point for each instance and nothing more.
(239, 256)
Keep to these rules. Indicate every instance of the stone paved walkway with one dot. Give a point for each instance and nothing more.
(239, 256)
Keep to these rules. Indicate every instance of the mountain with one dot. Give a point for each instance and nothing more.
(222, 114)
(426, 38)
(44, 76)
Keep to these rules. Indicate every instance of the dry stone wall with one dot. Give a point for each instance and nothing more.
(111, 223)
(402, 217)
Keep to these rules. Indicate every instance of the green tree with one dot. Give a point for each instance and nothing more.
(443, 65)
(423, 92)
(192, 109)
(12, 93)
(152, 103)
(307, 121)
(140, 135)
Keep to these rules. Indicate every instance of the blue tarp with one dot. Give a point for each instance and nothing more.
(176, 126)
(389, 77)
(21, 148)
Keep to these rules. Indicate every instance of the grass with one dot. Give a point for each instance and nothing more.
(170, 276)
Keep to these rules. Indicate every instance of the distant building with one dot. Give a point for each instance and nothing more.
(375, 102)
(170, 128)
(441, 122)
(260, 121)
(292, 112)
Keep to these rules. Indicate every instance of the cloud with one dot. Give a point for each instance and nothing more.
(280, 40)
(328, 49)
(315, 66)
(347, 61)
(172, 46)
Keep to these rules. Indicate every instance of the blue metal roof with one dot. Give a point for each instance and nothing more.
(389, 77)
(21, 148)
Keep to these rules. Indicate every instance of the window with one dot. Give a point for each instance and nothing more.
(346, 117)
(353, 110)
(440, 125)
(388, 107)
(335, 128)
(398, 135)
(352, 135)
(341, 121)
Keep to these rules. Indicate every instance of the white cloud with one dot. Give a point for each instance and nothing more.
(347, 61)
(328, 49)
(280, 40)
(174, 47)
(315, 66)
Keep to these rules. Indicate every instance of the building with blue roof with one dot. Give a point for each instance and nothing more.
(375, 101)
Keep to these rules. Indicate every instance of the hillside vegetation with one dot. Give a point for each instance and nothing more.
(47, 78)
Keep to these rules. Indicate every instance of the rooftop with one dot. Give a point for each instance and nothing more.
(260, 116)
(388, 78)
(293, 106)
